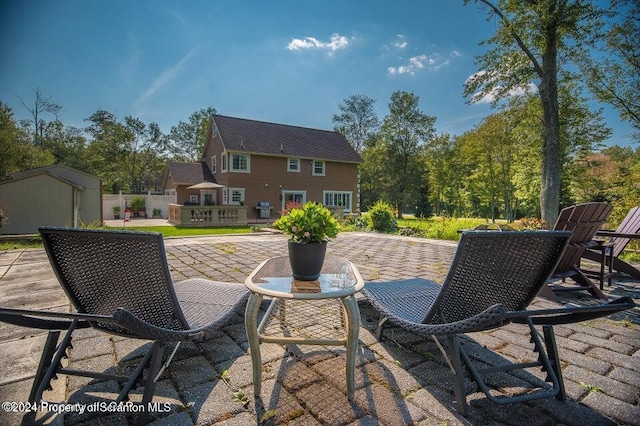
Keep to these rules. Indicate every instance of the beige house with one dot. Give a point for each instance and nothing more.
(55, 195)
(260, 163)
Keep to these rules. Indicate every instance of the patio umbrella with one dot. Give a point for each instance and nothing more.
(205, 185)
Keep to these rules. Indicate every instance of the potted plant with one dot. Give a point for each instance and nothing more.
(138, 206)
(116, 212)
(309, 227)
(157, 213)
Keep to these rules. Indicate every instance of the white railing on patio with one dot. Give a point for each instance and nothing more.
(207, 215)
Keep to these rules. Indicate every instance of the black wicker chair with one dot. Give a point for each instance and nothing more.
(119, 283)
(493, 278)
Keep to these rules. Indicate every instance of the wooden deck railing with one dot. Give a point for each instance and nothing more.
(181, 215)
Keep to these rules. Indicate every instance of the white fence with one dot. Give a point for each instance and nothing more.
(152, 201)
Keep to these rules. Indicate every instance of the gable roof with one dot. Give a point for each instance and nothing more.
(240, 134)
(41, 172)
(189, 173)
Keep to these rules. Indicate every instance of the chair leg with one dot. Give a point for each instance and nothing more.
(45, 362)
(54, 360)
(461, 399)
(380, 327)
(157, 351)
(552, 353)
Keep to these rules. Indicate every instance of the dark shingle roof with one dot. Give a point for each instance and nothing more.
(239, 134)
(189, 173)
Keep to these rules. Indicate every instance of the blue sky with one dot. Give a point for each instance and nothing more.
(282, 61)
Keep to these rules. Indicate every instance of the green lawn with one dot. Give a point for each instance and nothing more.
(174, 231)
(439, 227)
(166, 231)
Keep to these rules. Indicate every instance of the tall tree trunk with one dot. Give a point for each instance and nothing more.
(551, 164)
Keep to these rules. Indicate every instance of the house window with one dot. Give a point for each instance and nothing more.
(213, 164)
(236, 196)
(223, 162)
(318, 168)
(193, 199)
(240, 163)
(225, 196)
(338, 199)
(293, 165)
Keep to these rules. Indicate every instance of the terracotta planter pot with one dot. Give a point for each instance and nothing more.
(306, 260)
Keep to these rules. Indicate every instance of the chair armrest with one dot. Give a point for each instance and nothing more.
(567, 315)
(491, 317)
(144, 330)
(604, 233)
(48, 320)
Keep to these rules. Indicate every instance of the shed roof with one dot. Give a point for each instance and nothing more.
(240, 134)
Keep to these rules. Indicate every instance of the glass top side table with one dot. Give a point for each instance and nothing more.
(339, 279)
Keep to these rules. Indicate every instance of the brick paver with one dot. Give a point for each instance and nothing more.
(402, 380)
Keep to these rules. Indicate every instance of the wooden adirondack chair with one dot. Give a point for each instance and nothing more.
(617, 240)
(584, 220)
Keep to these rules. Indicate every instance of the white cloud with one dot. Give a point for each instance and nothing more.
(400, 42)
(337, 42)
(416, 63)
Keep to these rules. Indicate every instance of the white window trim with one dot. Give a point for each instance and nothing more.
(313, 168)
(193, 198)
(224, 160)
(242, 196)
(285, 192)
(213, 164)
(248, 169)
(289, 169)
(347, 208)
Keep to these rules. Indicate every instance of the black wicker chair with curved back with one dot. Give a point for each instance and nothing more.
(494, 276)
(119, 283)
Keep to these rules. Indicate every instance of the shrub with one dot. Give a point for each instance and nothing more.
(381, 217)
(356, 223)
(530, 223)
(138, 203)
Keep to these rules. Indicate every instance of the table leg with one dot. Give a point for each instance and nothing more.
(251, 324)
(353, 328)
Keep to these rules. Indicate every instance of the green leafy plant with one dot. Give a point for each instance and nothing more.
(238, 395)
(381, 217)
(137, 203)
(590, 388)
(312, 223)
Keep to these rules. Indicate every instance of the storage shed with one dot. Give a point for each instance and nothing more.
(55, 195)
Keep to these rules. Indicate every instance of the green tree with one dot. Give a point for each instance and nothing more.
(108, 150)
(374, 182)
(358, 121)
(188, 138)
(614, 76)
(18, 153)
(534, 39)
(403, 132)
